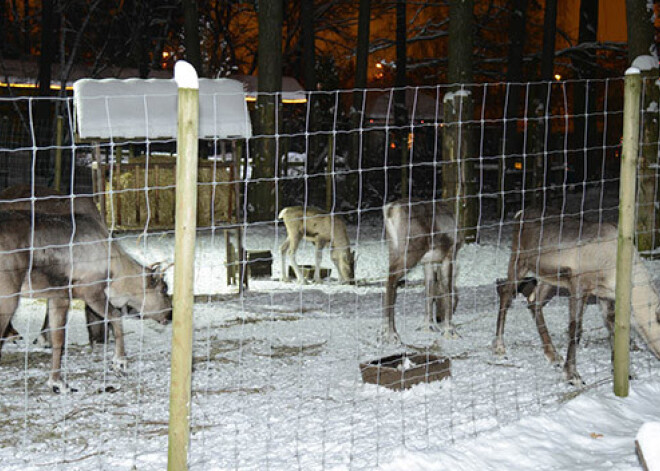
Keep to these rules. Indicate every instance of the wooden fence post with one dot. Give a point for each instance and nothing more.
(624, 258)
(184, 257)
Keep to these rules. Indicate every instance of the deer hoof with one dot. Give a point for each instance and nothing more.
(120, 365)
(498, 347)
(60, 387)
(42, 341)
(390, 336)
(451, 334)
(554, 359)
(574, 379)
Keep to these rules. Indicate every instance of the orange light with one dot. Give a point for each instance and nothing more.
(392, 145)
(166, 54)
(33, 85)
(379, 65)
(517, 165)
(557, 77)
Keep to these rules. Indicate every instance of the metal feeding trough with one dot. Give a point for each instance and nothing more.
(308, 272)
(404, 370)
(260, 263)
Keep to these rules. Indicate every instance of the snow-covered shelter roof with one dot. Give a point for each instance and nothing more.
(421, 105)
(292, 91)
(147, 108)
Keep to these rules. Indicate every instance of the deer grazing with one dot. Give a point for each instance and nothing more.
(426, 233)
(49, 201)
(580, 256)
(63, 257)
(321, 229)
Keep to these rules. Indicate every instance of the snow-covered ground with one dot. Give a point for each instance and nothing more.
(277, 385)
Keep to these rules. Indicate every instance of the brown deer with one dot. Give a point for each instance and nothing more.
(426, 233)
(580, 256)
(321, 229)
(58, 258)
(49, 201)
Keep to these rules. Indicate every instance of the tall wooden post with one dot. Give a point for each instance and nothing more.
(624, 259)
(184, 257)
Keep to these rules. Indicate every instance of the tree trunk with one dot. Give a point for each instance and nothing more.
(549, 37)
(308, 72)
(47, 53)
(308, 46)
(458, 153)
(641, 43)
(538, 141)
(517, 23)
(270, 81)
(584, 97)
(400, 109)
(191, 36)
(361, 64)
(43, 108)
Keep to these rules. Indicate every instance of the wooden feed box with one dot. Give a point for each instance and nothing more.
(404, 370)
(308, 272)
(260, 263)
(215, 193)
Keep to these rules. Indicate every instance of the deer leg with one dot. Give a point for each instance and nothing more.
(576, 308)
(8, 306)
(97, 328)
(11, 333)
(318, 255)
(98, 302)
(119, 360)
(430, 297)
(506, 291)
(389, 333)
(43, 339)
(535, 303)
(293, 248)
(57, 314)
(284, 273)
(447, 300)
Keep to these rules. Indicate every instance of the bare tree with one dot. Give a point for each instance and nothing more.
(270, 84)
(191, 35)
(514, 75)
(457, 147)
(400, 109)
(584, 60)
(361, 64)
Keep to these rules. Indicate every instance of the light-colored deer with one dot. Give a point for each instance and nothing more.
(321, 229)
(426, 233)
(580, 256)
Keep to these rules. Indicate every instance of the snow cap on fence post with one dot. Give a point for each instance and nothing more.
(185, 75)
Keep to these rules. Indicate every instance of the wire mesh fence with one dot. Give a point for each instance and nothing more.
(284, 371)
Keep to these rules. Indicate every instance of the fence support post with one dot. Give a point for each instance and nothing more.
(184, 257)
(624, 258)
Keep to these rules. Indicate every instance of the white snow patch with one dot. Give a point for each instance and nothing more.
(646, 62)
(593, 431)
(648, 439)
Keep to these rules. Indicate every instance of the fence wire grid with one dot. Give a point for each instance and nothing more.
(281, 366)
